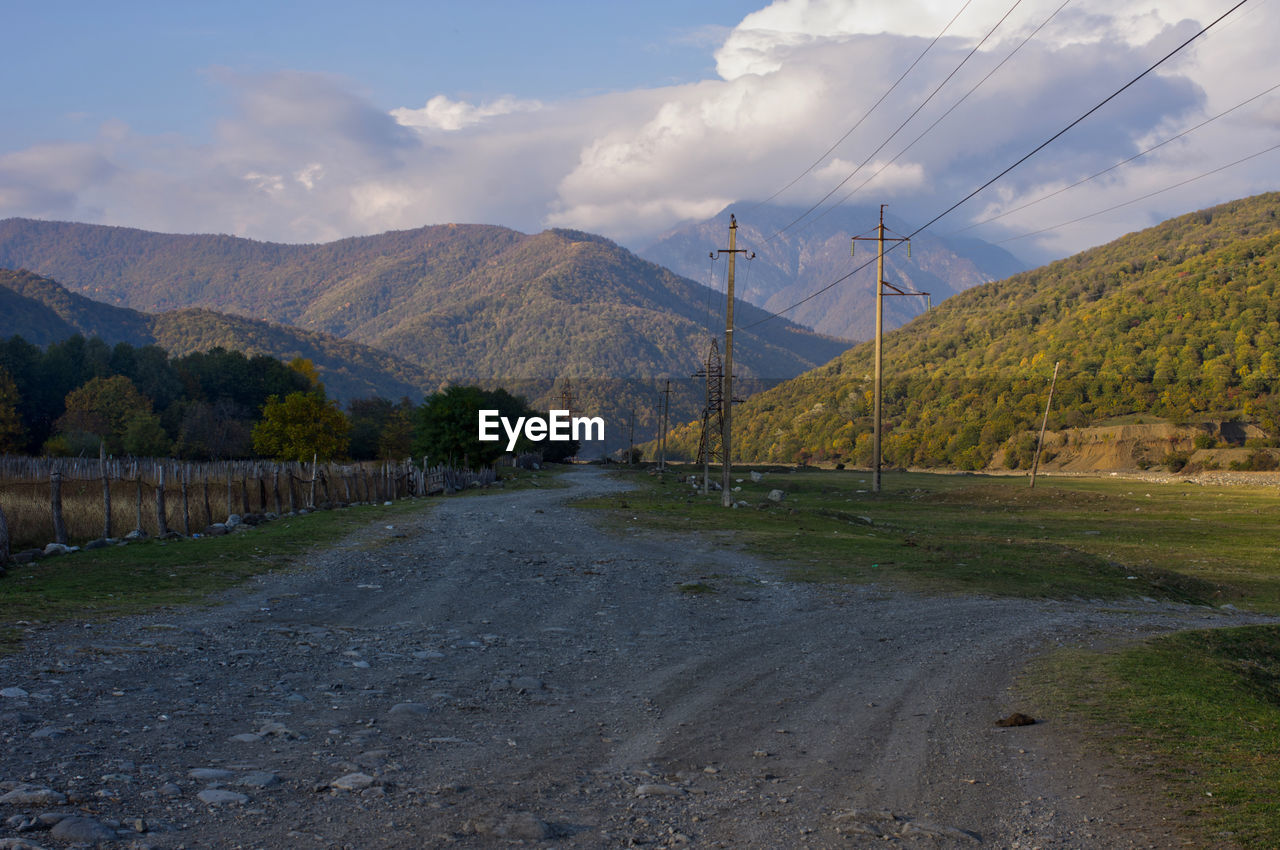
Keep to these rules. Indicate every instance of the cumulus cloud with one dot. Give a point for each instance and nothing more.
(301, 156)
(441, 113)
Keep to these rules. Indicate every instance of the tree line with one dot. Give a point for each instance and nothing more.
(82, 396)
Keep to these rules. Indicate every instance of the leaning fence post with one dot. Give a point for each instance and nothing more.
(55, 499)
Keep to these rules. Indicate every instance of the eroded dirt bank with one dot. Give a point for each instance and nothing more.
(498, 670)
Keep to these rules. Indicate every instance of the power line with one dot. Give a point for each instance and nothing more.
(1101, 104)
(1123, 162)
(866, 114)
(908, 120)
(951, 109)
(1010, 168)
(1143, 197)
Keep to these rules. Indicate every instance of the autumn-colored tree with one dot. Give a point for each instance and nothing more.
(299, 427)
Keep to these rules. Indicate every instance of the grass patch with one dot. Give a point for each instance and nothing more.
(1068, 538)
(1198, 712)
(123, 580)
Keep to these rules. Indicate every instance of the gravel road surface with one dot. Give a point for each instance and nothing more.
(497, 670)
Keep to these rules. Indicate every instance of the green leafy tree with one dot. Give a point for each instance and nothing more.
(301, 426)
(447, 425)
(100, 410)
(396, 439)
(144, 436)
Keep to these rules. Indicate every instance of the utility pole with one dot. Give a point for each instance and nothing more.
(666, 404)
(631, 439)
(1035, 464)
(726, 494)
(881, 283)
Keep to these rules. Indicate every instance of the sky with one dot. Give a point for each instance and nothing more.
(309, 122)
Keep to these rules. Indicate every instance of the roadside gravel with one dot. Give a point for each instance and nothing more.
(498, 670)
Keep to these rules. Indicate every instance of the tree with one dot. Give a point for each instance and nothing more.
(396, 439)
(144, 437)
(12, 436)
(447, 425)
(301, 426)
(216, 431)
(100, 410)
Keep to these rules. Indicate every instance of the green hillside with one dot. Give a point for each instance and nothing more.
(41, 311)
(1178, 321)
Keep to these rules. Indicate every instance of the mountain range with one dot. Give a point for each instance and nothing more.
(793, 261)
(463, 303)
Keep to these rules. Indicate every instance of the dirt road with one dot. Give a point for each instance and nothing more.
(499, 670)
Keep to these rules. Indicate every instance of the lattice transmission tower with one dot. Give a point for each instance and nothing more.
(711, 443)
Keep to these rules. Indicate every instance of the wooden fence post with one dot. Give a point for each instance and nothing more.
(208, 511)
(226, 469)
(55, 499)
(186, 501)
(137, 480)
(293, 502)
(162, 521)
(4, 540)
(106, 491)
(311, 499)
(275, 490)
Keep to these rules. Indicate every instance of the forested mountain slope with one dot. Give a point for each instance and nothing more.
(1180, 321)
(41, 311)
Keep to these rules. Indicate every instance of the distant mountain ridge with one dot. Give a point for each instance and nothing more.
(467, 303)
(793, 264)
(41, 311)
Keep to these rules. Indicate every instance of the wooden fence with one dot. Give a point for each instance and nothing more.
(74, 500)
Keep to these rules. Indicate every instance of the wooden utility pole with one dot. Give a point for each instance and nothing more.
(726, 492)
(1035, 464)
(881, 283)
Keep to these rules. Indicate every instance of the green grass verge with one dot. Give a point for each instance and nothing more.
(1196, 712)
(139, 577)
(1067, 538)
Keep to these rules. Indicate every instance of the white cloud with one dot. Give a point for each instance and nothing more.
(441, 113)
(305, 157)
